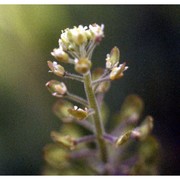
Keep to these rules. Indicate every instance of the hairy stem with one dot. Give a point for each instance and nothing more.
(76, 99)
(101, 80)
(99, 129)
(85, 139)
(73, 76)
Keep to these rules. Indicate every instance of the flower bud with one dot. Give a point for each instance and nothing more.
(60, 55)
(78, 113)
(117, 72)
(82, 65)
(64, 40)
(57, 69)
(97, 32)
(112, 59)
(88, 34)
(123, 138)
(65, 141)
(77, 35)
(56, 88)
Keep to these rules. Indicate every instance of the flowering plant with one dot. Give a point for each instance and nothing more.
(83, 145)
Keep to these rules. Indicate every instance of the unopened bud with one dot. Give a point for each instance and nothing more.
(56, 87)
(82, 65)
(60, 55)
(65, 141)
(80, 38)
(56, 68)
(123, 138)
(112, 59)
(117, 72)
(78, 113)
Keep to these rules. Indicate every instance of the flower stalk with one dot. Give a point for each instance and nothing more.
(99, 129)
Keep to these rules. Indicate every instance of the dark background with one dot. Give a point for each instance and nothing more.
(148, 37)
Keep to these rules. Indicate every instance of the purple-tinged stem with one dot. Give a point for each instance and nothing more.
(85, 139)
(110, 138)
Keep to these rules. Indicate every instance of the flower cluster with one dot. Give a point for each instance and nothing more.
(78, 42)
(85, 123)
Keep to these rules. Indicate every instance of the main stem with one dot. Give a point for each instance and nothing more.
(99, 129)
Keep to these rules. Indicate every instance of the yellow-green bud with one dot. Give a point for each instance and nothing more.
(117, 72)
(88, 34)
(82, 65)
(78, 113)
(77, 35)
(56, 88)
(60, 55)
(56, 68)
(112, 59)
(65, 141)
(80, 39)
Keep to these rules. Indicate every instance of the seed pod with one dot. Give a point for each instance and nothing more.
(112, 59)
(123, 138)
(78, 113)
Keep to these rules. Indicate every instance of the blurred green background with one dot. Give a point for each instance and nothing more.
(148, 37)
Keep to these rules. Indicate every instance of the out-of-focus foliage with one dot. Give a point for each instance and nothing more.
(135, 151)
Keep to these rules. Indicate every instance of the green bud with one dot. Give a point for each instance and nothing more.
(56, 88)
(77, 35)
(82, 65)
(88, 34)
(81, 38)
(112, 59)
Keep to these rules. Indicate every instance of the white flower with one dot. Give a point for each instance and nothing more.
(97, 31)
